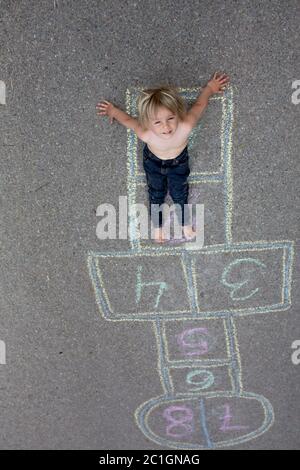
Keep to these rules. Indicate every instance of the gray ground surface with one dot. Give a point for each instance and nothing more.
(71, 378)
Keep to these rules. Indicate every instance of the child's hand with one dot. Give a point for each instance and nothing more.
(218, 82)
(106, 108)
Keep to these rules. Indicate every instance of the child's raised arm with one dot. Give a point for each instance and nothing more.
(217, 84)
(107, 108)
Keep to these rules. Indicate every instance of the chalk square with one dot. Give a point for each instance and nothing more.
(201, 341)
(199, 378)
(140, 285)
(217, 157)
(239, 280)
(209, 194)
(206, 143)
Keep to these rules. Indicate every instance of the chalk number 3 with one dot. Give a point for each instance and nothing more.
(235, 286)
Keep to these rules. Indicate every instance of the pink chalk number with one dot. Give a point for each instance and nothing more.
(183, 420)
(227, 426)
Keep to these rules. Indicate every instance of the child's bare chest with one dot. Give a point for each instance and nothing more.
(171, 148)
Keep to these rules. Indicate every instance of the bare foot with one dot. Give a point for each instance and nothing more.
(188, 232)
(159, 236)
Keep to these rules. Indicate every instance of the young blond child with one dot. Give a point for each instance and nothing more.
(164, 126)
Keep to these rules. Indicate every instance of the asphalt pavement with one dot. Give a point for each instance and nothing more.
(117, 343)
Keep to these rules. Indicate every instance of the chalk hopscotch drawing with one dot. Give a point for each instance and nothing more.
(204, 404)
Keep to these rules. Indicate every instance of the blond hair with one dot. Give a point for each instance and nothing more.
(150, 100)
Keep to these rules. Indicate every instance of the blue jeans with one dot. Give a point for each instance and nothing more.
(169, 174)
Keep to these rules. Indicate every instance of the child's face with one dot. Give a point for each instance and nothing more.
(164, 123)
